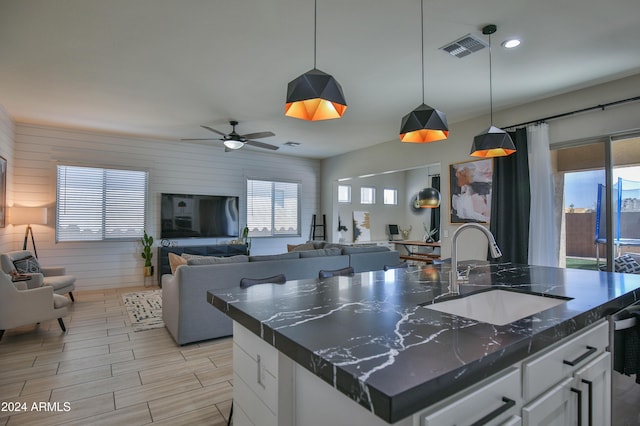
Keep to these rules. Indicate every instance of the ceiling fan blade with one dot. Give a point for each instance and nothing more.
(258, 135)
(214, 130)
(201, 139)
(262, 145)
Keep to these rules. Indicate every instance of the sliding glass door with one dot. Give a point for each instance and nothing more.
(598, 191)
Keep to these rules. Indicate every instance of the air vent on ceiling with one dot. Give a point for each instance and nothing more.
(464, 46)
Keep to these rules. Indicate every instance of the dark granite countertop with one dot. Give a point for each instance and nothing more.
(368, 337)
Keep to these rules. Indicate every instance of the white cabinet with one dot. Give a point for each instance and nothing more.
(569, 384)
(262, 382)
(495, 401)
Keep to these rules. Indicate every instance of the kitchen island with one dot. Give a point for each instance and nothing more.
(369, 338)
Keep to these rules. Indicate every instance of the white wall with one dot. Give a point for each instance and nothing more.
(174, 167)
(396, 155)
(6, 151)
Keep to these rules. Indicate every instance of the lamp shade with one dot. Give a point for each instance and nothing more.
(493, 142)
(28, 215)
(428, 198)
(313, 96)
(424, 124)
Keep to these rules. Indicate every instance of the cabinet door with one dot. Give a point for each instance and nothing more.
(594, 381)
(556, 407)
(490, 404)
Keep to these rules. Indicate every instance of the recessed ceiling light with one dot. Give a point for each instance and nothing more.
(511, 43)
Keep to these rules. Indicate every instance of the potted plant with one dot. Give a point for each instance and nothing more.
(245, 239)
(147, 242)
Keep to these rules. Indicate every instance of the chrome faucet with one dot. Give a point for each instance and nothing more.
(493, 247)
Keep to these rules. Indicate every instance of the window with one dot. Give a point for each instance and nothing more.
(95, 204)
(367, 195)
(344, 193)
(390, 196)
(272, 208)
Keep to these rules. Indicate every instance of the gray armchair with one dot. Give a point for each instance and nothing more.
(20, 305)
(54, 277)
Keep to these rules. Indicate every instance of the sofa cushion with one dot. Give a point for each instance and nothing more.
(320, 252)
(303, 247)
(626, 264)
(193, 259)
(28, 265)
(268, 257)
(175, 261)
(368, 249)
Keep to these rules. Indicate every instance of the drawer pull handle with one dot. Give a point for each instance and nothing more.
(590, 392)
(259, 364)
(508, 403)
(579, 393)
(590, 350)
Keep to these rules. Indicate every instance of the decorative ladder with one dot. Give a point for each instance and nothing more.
(315, 233)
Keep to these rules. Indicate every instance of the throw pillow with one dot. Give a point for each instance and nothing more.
(302, 247)
(28, 265)
(626, 264)
(175, 261)
(320, 252)
(212, 260)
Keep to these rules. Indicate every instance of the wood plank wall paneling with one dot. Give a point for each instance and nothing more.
(174, 167)
(7, 238)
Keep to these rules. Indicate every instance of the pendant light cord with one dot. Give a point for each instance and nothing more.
(422, 43)
(490, 84)
(315, 31)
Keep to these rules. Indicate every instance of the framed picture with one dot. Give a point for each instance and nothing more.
(3, 192)
(470, 185)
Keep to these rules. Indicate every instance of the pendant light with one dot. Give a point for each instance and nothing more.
(423, 124)
(428, 198)
(315, 95)
(493, 142)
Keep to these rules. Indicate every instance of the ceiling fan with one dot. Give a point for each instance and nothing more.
(233, 140)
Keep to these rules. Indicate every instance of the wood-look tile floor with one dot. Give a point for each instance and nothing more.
(101, 372)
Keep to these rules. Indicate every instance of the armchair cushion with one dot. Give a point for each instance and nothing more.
(60, 301)
(27, 265)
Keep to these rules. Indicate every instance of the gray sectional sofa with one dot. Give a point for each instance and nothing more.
(188, 316)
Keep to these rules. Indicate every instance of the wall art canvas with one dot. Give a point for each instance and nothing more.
(361, 227)
(470, 184)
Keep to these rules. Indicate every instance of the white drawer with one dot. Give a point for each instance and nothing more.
(479, 401)
(252, 370)
(254, 346)
(541, 372)
(248, 409)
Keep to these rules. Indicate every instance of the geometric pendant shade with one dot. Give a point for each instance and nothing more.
(493, 142)
(315, 95)
(424, 124)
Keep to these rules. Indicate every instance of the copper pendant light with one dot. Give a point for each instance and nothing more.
(315, 95)
(428, 198)
(493, 142)
(423, 124)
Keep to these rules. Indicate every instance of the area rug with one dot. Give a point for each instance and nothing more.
(145, 309)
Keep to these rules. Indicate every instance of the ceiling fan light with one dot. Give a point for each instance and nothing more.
(424, 124)
(493, 142)
(313, 96)
(233, 144)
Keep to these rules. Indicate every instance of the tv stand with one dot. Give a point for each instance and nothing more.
(219, 250)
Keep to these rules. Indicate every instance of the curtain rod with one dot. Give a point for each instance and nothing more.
(578, 111)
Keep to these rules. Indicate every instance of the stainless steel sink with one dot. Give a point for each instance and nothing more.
(497, 306)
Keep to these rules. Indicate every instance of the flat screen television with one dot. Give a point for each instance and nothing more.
(199, 216)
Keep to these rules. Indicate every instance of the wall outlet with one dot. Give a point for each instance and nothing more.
(446, 233)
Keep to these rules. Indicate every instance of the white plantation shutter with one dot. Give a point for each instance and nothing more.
(273, 208)
(95, 204)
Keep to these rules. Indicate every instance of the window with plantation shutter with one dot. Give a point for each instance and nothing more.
(273, 208)
(96, 204)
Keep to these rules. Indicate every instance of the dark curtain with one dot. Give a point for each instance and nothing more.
(435, 213)
(511, 201)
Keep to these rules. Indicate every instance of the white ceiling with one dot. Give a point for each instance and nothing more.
(161, 68)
